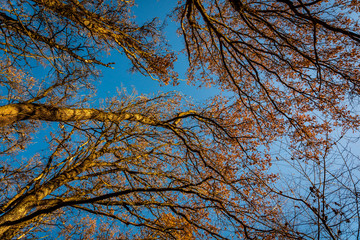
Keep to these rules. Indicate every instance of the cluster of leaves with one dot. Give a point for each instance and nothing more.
(158, 167)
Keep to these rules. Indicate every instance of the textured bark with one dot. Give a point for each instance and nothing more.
(12, 113)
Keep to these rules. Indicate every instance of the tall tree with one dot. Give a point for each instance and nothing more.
(293, 67)
(138, 167)
(158, 167)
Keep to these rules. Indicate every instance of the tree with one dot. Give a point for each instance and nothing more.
(160, 167)
(293, 67)
(151, 166)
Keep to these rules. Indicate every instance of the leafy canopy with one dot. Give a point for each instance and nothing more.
(161, 167)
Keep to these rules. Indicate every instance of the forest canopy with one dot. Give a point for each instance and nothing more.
(273, 158)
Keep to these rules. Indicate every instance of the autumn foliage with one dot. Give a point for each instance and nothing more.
(270, 159)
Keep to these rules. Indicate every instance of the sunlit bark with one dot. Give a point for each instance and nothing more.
(22, 111)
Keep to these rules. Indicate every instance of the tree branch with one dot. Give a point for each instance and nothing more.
(12, 113)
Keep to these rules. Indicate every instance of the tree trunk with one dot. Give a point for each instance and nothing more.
(12, 113)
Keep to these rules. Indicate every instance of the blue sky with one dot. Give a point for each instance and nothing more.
(120, 77)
